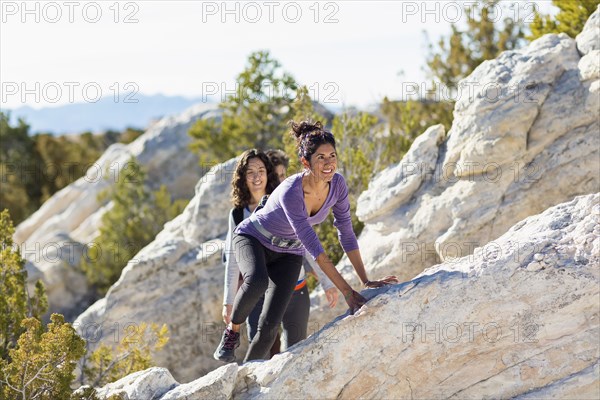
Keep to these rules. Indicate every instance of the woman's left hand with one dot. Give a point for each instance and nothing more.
(388, 280)
(332, 296)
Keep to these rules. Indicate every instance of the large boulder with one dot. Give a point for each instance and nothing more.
(150, 384)
(587, 40)
(520, 317)
(53, 239)
(176, 280)
(533, 145)
(524, 138)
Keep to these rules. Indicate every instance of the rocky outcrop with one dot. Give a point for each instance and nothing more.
(507, 156)
(517, 318)
(587, 40)
(524, 138)
(150, 384)
(54, 237)
(176, 280)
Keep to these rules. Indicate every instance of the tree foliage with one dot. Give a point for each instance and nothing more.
(15, 302)
(37, 361)
(459, 54)
(133, 353)
(136, 217)
(33, 168)
(19, 189)
(570, 19)
(355, 147)
(43, 362)
(302, 109)
(405, 121)
(252, 117)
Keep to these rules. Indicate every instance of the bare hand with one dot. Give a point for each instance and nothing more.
(332, 296)
(227, 313)
(388, 280)
(354, 300)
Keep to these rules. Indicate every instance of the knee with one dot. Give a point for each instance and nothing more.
(258, 282)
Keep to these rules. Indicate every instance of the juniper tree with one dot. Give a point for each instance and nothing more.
(570, 19)
(136, 217)
(15, 302)
(253, 116)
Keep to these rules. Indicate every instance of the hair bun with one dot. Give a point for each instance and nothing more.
(309, 136)
(304, 128)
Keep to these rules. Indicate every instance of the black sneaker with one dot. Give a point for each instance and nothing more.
(229, 342)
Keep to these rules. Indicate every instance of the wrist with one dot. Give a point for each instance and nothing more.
(347, 291)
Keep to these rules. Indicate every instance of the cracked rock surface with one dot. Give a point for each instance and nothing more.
(535, 146)
(482, 326)
(524, 138)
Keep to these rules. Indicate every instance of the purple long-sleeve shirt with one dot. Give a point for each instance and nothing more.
(285, 216)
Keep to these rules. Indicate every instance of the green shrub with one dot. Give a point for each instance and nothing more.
(132, 223)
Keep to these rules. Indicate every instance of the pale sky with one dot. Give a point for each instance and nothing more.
(347, 52)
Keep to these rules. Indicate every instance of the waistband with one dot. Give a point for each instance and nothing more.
(275, 240)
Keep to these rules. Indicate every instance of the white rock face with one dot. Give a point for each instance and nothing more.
(398, 183)
(150, 384)
(587, 40)
(177, 280)
(158, 384)
(482, 326)
(216, 385)
(524, 138)
(53, 238)
(533, 145)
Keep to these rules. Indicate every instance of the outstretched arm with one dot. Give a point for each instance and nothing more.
(359, 267)
(343, 222)
(353, 298)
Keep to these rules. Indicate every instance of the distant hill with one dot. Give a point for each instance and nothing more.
(102, 115)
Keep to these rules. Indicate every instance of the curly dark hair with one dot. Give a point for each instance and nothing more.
(309, 136)
(240, 194)
(278, 157)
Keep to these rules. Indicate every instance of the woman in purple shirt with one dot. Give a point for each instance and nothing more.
(270, 244)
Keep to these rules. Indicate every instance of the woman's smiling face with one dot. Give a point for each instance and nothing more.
(256, 175)
(323, 162)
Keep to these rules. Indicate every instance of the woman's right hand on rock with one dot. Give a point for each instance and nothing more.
(227, 313)
(354, 300)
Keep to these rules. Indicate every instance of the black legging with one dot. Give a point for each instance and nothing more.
(295, 318)
(264, 272)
